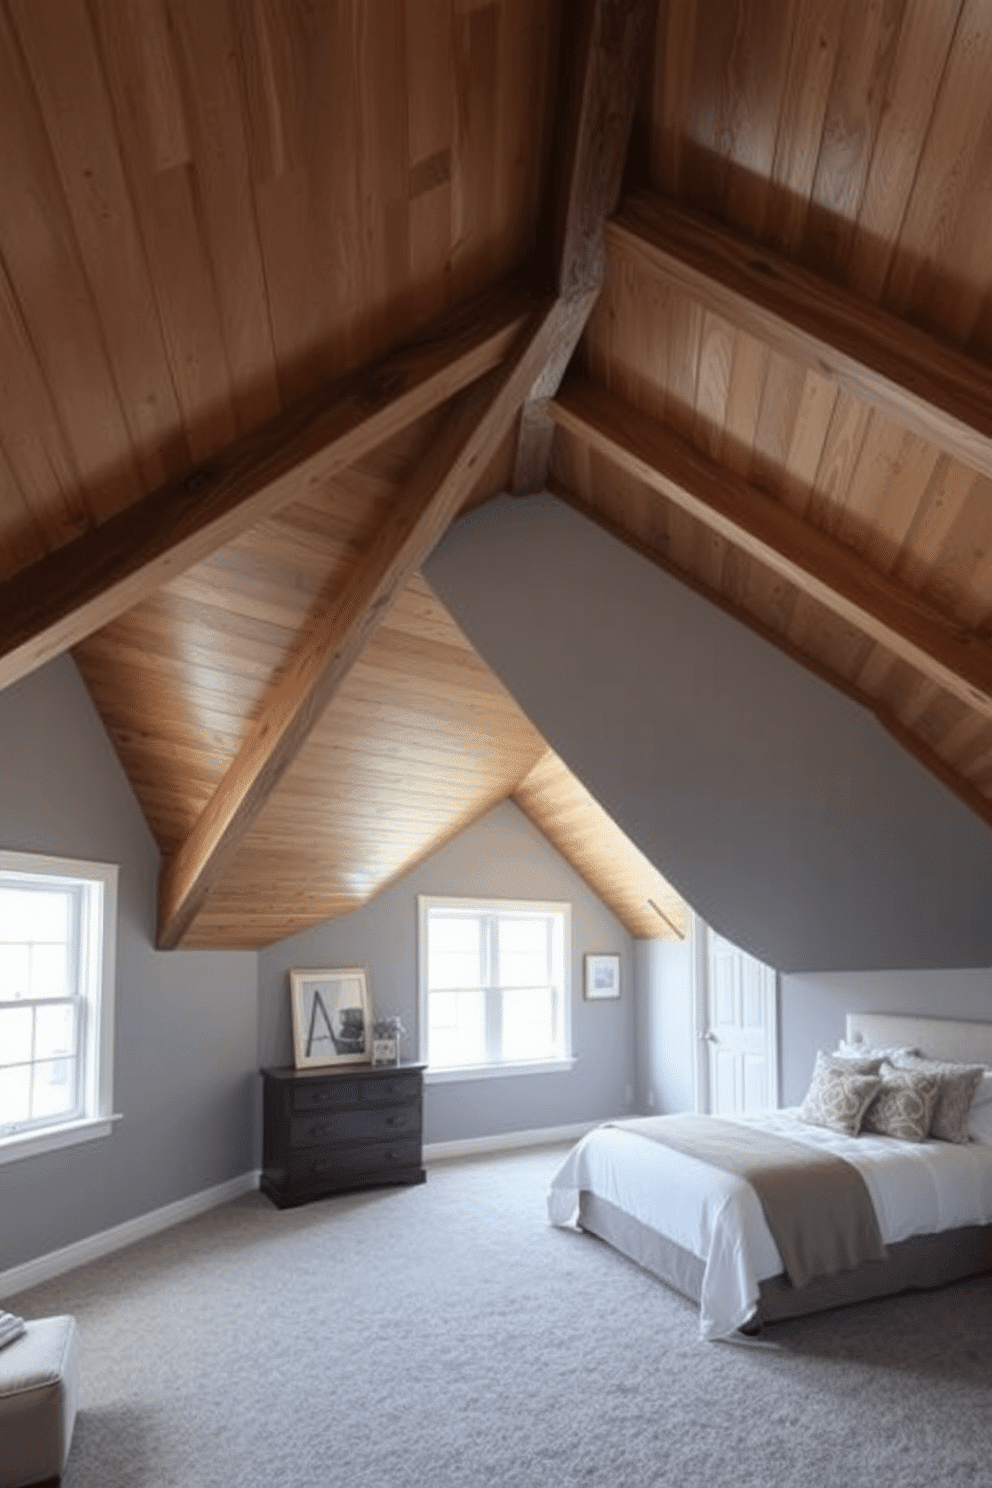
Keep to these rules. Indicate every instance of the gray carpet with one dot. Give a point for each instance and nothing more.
(447, 1336)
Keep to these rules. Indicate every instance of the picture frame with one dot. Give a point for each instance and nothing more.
(602, 977)
(332, 1017)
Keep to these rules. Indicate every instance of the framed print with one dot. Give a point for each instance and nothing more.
(332, 1017)
(602, 977)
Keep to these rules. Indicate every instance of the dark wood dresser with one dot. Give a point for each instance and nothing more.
(329, 1130)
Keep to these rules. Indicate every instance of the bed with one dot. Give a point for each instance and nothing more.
(703, 1230)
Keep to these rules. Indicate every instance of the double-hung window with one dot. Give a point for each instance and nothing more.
(494, 987)
(57, 938)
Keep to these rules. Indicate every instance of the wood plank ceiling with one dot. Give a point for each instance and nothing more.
(285, 285)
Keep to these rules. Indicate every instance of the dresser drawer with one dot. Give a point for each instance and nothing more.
(390, 1088)
(370, 1125)
(323, 1165)
(317, 1095)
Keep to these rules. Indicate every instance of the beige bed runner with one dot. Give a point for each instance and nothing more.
(817, 1206)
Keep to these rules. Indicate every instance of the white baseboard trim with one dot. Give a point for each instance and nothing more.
(543, 1136)
(57, 1262)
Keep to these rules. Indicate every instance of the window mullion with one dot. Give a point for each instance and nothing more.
(494, 1011)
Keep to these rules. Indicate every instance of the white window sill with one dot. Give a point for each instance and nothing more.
(489, 1071)
(31, 1143)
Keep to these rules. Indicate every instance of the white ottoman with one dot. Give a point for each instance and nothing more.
(39, 1383)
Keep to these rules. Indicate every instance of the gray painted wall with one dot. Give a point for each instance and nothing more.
(812, 1010)
(500, 856)
(185, 1034)
(665, 1046)
(787, 817)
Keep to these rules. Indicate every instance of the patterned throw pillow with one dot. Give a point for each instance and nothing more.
(957, 1084)
(837, 1098)
(904, 1105)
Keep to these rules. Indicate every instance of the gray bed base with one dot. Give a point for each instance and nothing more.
(917, 1264)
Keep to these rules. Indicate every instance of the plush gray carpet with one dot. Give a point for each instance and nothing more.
(447, 1336)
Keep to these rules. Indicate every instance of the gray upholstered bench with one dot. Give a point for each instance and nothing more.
(39, 1382)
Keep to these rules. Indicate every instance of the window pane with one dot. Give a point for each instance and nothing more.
(454, 951)
(15, 1094)
(15, 972)
(529, 1030)
(457, 1031)
(12, 914)
(50, 971)
(15, 1034)
(523, 952)
(54, 1091)
(55, 1031)
(42, 914)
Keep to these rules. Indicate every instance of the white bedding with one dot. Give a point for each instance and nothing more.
(917, 1189)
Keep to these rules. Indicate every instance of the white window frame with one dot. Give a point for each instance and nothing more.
(502, 1068)
(97, 982)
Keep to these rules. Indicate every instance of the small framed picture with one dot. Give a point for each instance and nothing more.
(602, 977)
(332, 1017)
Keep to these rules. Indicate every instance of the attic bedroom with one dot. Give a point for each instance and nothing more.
(502, 453)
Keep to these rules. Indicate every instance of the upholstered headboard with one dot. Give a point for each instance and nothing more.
(941, 1038)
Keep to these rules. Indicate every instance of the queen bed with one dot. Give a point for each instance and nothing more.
(704, 1231)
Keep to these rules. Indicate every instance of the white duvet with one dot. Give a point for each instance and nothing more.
(917, 1189)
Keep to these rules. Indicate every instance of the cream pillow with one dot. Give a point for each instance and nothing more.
(837, 1097)
(904, 1105)
(858, 1050)
(957, 1085)
(855, 1064)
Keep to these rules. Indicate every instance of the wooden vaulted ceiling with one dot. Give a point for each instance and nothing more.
(287, 284)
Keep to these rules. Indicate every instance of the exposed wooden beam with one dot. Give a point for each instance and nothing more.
(820, 566)
(608, 47)
(914, 378)
(337, 633)
(81, 587)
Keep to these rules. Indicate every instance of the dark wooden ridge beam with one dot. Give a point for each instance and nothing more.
(817, 564)
(75, 590)
(336, 633)
(914, 378)
(610, 50)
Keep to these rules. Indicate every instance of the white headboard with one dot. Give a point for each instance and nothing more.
(941, 1038)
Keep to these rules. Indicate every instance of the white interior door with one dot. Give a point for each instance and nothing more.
(740, 1030)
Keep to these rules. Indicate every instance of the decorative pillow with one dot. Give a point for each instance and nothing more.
(858, 1050)
(855, 1064)
(957, 1086)
(837, 1098)
(904, 1105)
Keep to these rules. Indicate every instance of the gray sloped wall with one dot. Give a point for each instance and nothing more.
(784, 813)
(185, 1073)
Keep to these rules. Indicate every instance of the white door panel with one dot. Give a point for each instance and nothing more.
(741, 1032)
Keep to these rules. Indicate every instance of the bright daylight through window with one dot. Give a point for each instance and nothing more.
(57, 933)
(494, 986)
